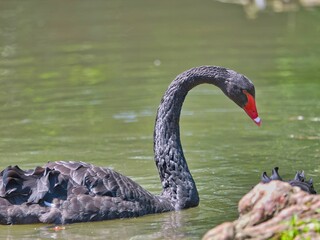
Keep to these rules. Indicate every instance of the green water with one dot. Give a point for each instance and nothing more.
(81, 80)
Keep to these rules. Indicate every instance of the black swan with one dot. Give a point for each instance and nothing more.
(298, 181)
(67, 192)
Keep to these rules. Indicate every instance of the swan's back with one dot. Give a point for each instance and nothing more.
(66, 192)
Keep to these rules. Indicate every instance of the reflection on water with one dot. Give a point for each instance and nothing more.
(82, 81)
(172, 225)
(253, 7)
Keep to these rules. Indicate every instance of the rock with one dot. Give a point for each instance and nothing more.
(224, 231)
(269, 209)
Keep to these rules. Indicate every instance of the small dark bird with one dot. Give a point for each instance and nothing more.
(298, 181)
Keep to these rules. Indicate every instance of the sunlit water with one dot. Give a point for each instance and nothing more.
(82, 81)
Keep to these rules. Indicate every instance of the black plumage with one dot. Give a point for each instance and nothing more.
(66, 192)
(299, 180)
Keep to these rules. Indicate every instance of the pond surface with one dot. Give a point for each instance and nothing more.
(82, 80)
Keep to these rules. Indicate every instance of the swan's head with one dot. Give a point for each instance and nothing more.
(241, 90)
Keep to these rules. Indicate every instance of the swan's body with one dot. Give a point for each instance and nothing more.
(67, 192)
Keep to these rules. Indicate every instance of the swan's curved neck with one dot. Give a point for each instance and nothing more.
(177, 182)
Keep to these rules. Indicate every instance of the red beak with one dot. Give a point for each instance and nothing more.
(251, 109)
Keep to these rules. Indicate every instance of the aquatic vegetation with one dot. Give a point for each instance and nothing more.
(304, 229)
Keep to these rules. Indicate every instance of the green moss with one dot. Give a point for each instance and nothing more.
(297, 227)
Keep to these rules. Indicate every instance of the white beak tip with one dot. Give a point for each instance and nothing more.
(257, 120)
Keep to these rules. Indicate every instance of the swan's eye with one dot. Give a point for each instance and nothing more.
(248, 97)
(248, 94)
(242, 97)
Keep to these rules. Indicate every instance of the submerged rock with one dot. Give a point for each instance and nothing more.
(271, 209)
